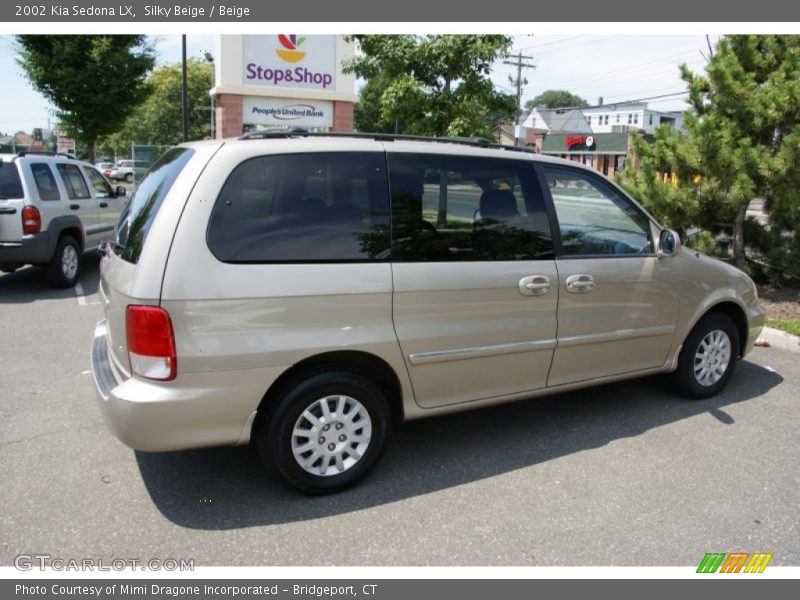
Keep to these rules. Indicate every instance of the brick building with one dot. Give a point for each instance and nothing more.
(278, 81)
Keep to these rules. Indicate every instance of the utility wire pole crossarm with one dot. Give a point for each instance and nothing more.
(520, 62)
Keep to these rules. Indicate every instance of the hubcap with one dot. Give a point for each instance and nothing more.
(69, 262)
(331, 435)
(712, 358)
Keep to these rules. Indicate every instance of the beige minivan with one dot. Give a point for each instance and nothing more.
(303, 291)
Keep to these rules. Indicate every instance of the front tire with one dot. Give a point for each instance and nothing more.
(325, 431)
(708, 357)
(64, 268)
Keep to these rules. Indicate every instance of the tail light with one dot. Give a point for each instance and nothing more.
(31, 220)
(151, 342)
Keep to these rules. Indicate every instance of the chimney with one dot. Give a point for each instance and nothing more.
(600, 101)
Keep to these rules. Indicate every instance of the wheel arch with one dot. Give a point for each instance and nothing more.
(734, 311)
(363, 363)
(736, 314)
(65, 225)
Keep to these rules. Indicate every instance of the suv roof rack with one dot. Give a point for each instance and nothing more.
(479, 142)
(41, 153)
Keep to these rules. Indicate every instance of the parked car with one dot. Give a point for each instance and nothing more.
(128, 170)
(104, 166)
(304, 291)
(53, 208)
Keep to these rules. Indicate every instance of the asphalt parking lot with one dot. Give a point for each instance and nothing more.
(625, 474)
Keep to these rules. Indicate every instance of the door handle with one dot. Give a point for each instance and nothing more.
(74, 206)
(534, 285)
(580, 284)
(104, 205)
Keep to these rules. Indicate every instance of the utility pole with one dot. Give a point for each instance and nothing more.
(520, 61)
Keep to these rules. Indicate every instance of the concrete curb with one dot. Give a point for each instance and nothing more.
(775, 338)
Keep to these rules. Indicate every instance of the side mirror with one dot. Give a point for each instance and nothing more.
(669, 242)
(120, 192)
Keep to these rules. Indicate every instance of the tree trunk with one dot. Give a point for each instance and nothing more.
(446, 127)
(441, 214)
(90, 148)
(738, 237)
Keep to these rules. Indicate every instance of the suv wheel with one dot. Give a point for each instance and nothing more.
(708, 357)
(129, 178)
(64, 268)
(325, 432)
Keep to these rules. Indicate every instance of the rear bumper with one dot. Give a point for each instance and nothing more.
(195, 410)
(30, 250)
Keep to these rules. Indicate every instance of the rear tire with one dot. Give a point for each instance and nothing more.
(64, 268)
(708, 357)
(324, 431)
(129, 178)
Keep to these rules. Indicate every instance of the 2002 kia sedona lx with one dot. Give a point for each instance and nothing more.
(302, 291)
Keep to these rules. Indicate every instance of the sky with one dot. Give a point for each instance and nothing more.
(616, 67)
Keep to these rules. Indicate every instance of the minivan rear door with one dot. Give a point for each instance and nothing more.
(475, 282)
(133, 267)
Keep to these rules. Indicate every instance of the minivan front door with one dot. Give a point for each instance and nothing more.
(475, 283)
(617, 306)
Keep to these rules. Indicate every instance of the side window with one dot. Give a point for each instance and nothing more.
(98, 182)
(322, 207)
(73, 181)
(452, 208)
(45, 182)
(593, 218)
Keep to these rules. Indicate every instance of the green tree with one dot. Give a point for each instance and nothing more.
(158, 120)
(94, 81)
(368, 113)
(434, 84)
(742, 142)
(556, 99)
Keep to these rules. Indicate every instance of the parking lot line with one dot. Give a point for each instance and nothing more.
(80, 294)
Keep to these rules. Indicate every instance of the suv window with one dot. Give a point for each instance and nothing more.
(98, 182)
(73, 181)
(595, 219)
(10, 184)
(45, 182)
(140, 212)
(316, 207)
(454, 208)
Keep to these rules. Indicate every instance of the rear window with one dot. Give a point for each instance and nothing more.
(10, 184)
(317, 207)
(141, 211)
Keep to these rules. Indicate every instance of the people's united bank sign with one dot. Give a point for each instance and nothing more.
(290, 61)
(286, 112)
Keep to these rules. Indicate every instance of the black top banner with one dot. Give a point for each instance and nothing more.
(198, 11)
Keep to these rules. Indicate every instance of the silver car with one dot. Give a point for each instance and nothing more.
(304, 291)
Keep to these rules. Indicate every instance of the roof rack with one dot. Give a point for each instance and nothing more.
(40, 153)
(478, 142)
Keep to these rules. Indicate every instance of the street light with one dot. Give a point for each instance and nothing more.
(210, 60)
(184, 94)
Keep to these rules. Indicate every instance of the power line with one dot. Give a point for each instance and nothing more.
(629, 101)
(561, 41)
(580, 45)
(634, 67)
